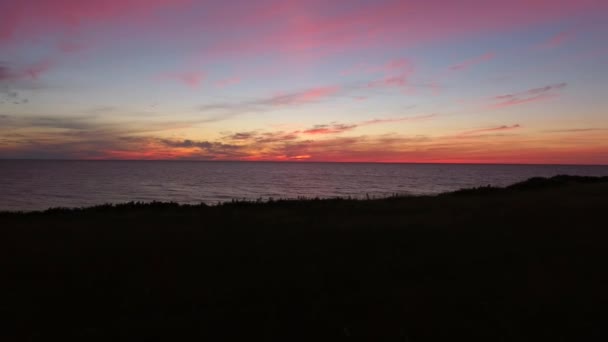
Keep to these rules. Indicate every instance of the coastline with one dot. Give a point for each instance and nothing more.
(534, 183)
(524, 262)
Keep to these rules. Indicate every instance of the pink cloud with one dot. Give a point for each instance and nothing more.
(473, 61)
(557, 40)
(295, 29)
(26, 19)
(398, 65)
(492, 129)
(319, 27)
(309, 95)
(192, 79)
(396, 73)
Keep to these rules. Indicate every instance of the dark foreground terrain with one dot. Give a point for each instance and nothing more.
(525, 263)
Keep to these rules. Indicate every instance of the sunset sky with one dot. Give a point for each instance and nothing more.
(479, 81)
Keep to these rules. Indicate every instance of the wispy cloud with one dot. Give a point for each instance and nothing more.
(396, 65)
(192, 79)
(492, 130)
(115, 142)
(242, 136)
(337, 128)
(402, 119)
(308, 95)
(86, 125)
(26, 19)
(528, 96)
(30, 72)
(389, 81)
(333, 128)
(219, 111)
(473, 61)
(14, 79)
(395, 73)
(329, 28)
(329, 129)
(262, 137)
(557, 40)
(211, 147)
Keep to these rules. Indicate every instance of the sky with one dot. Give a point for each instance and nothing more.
(434, 81)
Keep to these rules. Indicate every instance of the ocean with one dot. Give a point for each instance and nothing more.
(37, 185)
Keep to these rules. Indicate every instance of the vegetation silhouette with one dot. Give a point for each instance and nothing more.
(521, 263)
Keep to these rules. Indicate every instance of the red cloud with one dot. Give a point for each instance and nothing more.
(473, 61)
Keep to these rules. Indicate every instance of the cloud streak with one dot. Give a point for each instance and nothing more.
(308, 95)
(192, 79)
(220, 111)
(403, 119)
(329, 129)
(465, 65)
(492, 130)
(337, 128)
(28, 72)
(528, 96)
(316, 28)
(26, 19)
(557, 40)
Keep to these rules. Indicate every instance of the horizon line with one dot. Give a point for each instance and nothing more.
(293, 161)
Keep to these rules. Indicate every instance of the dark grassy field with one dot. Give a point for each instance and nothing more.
(526, 263)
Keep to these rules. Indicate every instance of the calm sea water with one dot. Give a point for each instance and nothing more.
(35, 185)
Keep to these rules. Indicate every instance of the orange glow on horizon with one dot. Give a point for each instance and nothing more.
(583, 156)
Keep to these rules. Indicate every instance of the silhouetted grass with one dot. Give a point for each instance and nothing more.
(521, 263)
